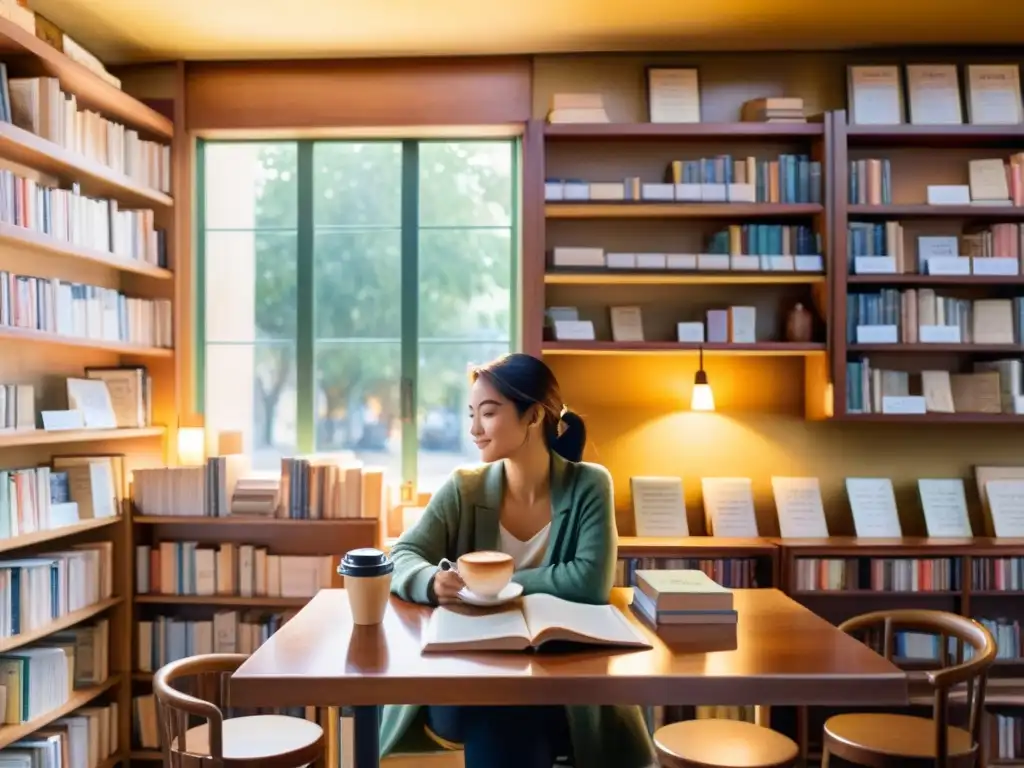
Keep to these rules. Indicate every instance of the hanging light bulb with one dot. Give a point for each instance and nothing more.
(702, 399)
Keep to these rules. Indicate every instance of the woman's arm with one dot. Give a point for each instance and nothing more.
(418, 551)
(590, 575)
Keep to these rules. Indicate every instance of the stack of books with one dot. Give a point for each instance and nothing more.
(577, 108)
(681, 597)
(787, 109)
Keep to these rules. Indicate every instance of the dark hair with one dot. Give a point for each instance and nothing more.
(527, 381)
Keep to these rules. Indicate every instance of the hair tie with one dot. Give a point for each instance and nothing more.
(562, 426)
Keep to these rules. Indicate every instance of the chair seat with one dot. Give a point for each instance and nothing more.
(891, 735)
(286, 740)
(718, 743)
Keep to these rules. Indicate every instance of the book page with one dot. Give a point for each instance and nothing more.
(1006, 502)
(552, 618)
(798, 502)
(457, 628)
(729, 507)
(873, 504)
(658, 506)
(983, 476)
(945, 507)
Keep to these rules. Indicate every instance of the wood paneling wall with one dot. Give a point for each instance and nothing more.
(269, 95)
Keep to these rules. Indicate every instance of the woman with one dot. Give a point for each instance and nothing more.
(535, 500)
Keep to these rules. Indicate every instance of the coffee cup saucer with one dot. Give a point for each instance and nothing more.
(510, 592)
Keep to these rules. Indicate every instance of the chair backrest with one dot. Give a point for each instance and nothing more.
(193, 688)
(954, 632)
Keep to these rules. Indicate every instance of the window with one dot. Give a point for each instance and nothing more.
(345, 289)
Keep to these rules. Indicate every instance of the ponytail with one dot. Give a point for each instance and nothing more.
(570, 444)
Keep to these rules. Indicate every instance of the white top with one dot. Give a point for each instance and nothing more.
(525, 554)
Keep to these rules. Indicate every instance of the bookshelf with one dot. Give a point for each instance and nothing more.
(919, 156)
(142, 266)
(667, 296)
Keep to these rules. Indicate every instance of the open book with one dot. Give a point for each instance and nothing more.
(529, 623)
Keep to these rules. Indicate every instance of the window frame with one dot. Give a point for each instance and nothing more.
(305, 338)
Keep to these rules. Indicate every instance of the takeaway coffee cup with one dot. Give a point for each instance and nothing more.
(485, 573)
(367, 575)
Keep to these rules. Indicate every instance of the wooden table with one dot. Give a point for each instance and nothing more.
(780, 653)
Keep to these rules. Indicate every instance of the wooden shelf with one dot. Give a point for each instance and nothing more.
(935, 135)
(959, 349)
(41, 337)
(932, 418)
(96, 179)
(39, 241)
(641, 210)
(665, 277)
(761, 348)
(924, 211)
(943, 280)
(80, 698)
(693, 546)
(749, 131)
(862, 593)
(90, 91)
(113, 760)
(70, 620)
(232, 600)
(44, 437)
(253, 520)
(54, 534)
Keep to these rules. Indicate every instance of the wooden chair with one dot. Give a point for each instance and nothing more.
(196, 687)
(718, 743)
(906, 741)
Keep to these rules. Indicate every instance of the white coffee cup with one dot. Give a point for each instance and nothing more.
(485, 573)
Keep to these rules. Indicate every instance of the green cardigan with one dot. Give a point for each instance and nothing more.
(579, 565)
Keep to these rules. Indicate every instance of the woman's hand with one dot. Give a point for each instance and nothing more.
(446, 586)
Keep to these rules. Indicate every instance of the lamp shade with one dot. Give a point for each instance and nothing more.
(702, 399)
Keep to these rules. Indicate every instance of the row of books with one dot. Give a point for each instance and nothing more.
(881, 248)
(71, 217)
(993, 386)
(189, 568)
(37, 680)
(786, 179)
(997, 574)
(84, 739)
(721, 179)
(765, 240)
(76, 488)
(317, 487)
(35, 591)
(38, 105)
(75, 310)
(203, 491)
(883, 574)
(17, 407)
(735, 573)
(330, 486)
(165, 638)
(914, 316)
(1006, 736)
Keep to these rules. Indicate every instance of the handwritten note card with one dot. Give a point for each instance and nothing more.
(798, 503)
(873, 504)
(1006, 503)
(945, 507)
(658, 506)
(729, 507)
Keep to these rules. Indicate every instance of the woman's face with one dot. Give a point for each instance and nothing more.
(495, 424)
